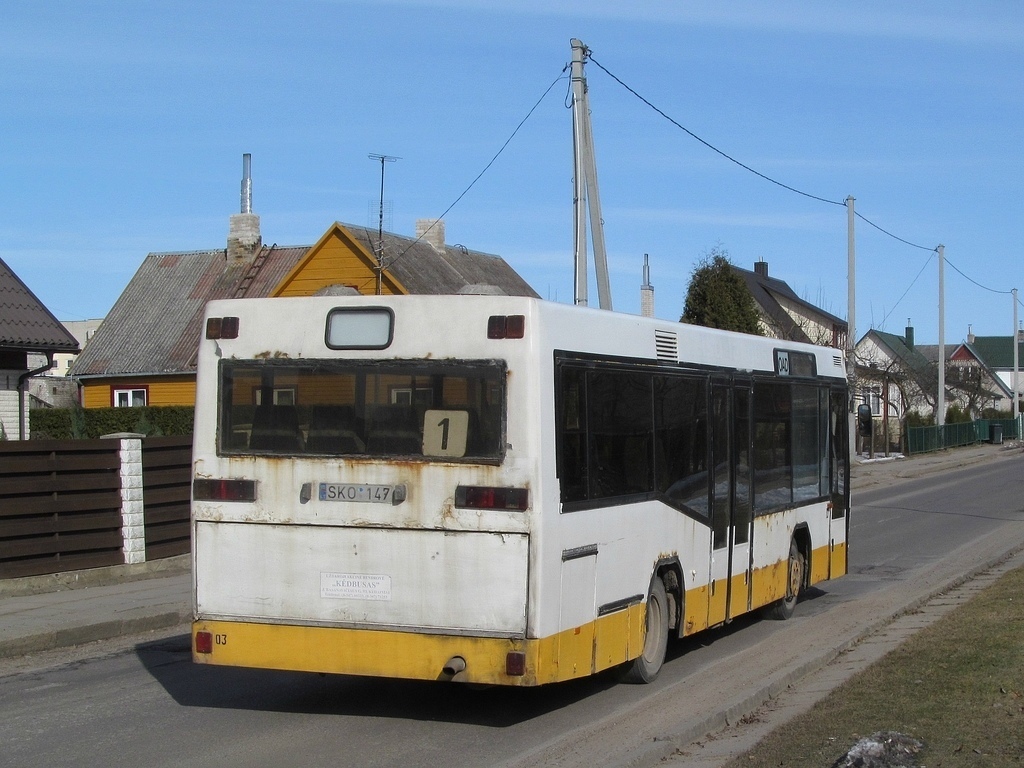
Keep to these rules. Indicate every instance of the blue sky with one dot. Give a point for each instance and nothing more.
(123, 124)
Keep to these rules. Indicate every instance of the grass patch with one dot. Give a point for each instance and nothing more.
(957, 686)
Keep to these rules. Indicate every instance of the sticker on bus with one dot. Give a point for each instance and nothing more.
(355, 586)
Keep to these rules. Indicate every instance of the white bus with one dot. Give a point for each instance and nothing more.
(501, 490)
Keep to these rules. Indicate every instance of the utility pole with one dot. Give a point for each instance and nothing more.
(1016, 361)
(940, 417)
(380, 220)
(585, 187)
(851, 322)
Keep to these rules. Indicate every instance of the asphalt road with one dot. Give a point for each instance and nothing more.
(149, 705)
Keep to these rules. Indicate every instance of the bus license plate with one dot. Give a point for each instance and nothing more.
(377, 494)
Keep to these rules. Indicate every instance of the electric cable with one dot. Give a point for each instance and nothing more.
(710, 146)
(901, 298)
(561, 75)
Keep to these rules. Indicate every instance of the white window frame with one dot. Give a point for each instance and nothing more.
(131, 395)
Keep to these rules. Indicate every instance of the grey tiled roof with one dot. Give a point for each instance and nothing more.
(25, 324)
(154, 326)
(424, 270)
(764, 289)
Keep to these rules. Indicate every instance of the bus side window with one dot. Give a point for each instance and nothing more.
(572, 459)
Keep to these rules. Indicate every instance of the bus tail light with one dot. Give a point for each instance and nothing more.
(222, 328)
(515, 663)
(478, 497)
(506, 326)
(204, 642)
(217, 489)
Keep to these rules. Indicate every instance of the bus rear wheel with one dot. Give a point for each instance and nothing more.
(784, 608)
(647, 665)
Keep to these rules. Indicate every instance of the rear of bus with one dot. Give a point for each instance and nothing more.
(358, 505)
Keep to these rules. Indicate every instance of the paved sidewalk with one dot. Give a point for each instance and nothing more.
(45, 612)
(40, 613)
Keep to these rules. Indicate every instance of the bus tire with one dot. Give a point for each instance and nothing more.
(783, 609)
(647, 665)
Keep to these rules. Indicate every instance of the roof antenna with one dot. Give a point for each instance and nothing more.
(380, 220)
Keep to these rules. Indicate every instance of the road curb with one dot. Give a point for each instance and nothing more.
(70, 637)
(94, 577)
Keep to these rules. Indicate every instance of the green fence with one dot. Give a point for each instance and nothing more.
(925, 439)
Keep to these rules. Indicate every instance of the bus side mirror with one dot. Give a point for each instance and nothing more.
(864, 420)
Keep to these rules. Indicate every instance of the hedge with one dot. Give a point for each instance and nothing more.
(79, 423)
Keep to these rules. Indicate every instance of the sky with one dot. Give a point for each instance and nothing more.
(123, 125)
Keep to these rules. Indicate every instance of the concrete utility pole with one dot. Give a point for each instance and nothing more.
(851, 324)
(851, 293)
(585, 187)
(940, 417)
(1016, 361)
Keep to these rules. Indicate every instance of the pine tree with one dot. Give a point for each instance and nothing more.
(718, 297)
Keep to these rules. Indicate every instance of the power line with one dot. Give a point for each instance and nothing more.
(971, 280)
(901, 298)
(561, 76)
(746, 167)
(710, 146)
(890, 234)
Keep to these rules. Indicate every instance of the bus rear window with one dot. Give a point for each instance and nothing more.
(445, 410)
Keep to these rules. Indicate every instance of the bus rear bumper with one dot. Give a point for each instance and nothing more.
(574, 653)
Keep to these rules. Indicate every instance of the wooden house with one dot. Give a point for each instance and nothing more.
(144, 353)
(28, 331)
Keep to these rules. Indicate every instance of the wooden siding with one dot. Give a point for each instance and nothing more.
(336, 260)
(60, 506)
(163, 390)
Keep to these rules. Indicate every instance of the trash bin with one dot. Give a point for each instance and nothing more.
(995, 434)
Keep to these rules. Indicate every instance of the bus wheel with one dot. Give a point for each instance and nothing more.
(783, 609)
(646, 667)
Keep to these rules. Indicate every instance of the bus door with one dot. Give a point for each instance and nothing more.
(839, 492)
(730, 502)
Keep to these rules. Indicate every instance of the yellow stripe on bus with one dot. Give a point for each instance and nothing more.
(604, 643)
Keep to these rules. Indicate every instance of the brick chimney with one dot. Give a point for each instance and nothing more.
(647, 292)
(431, 231)
(244, 237)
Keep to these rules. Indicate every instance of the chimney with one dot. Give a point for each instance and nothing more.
(761, 268)
(431, 231)
(647, 292)
(970, 334)
(910, 334)
(244, 228)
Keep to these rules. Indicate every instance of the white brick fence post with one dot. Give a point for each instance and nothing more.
(133, 527)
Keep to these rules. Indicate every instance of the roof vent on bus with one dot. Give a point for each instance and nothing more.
(837, 361)
(337, 289)
(666, 344)
(481, 289)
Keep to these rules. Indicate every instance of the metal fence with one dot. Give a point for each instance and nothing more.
(926, 439)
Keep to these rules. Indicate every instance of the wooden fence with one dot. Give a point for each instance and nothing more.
(166, 494)
(62, 506)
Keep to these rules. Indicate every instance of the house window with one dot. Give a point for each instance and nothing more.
(409, 396)
(873, 397)
(129, 398)
(282, 396)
